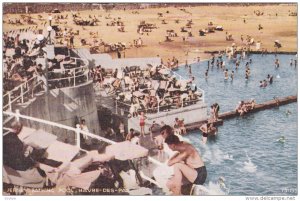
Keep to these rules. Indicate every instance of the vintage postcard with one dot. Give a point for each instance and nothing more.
(150, 99)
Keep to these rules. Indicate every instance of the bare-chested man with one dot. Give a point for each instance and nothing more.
(187, 163)
(208, 129)
(159, 140)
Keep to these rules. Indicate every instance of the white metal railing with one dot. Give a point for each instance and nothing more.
(198, 89)
(78, 131)
(17, 87)
(84, 71)
(124, 107)
(86, 62)
(26, 85)
(32, 83)
(24, 89)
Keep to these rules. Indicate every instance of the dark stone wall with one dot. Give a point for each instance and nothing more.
(65, 106)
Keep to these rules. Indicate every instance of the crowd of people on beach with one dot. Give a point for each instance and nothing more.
(71, 36)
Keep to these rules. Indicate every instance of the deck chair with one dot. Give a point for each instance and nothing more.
(163, 84)
(30, 178)
(109, 72)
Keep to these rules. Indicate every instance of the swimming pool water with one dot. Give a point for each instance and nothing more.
(229, 93)
(246, 153)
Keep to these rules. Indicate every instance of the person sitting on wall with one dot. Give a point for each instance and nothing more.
(250, 105)
(16, 156)
(239, 108)
(187, 163)
(216, 111)
(182, 126)
(176, 127)
(130, 135)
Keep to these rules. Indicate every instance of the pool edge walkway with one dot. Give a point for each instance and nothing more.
(276, 102)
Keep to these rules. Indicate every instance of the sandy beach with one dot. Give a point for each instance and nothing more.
(236, 20)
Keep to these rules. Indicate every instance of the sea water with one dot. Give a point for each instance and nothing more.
(249, 153)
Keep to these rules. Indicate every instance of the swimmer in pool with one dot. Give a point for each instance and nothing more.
(232, 75)
(281, 139)
(288, 112)
(226, 74)
(206, 74)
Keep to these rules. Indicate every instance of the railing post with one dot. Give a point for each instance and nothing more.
(32, 92)
(158, 100)
(17, 115)
(116, 106)
(9, 101)
(74, 78)
(78, 135)
(22, 94)
(46, 76)
(87, 74)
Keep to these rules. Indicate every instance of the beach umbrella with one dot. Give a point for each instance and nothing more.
(183, 96)
(138, 93)
(126, 151)
(10, 52)
(34, 53)
(108, 80)
(198, 93)
(173, 89)
(164, 71)
(55, 10)
(39, 37)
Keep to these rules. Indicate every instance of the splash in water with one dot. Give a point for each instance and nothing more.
(228, 157)
(249, 166)
(184, 139)
(213, 188)
(213, 155)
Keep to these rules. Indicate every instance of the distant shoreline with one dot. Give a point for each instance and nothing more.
(256, 52)
(33, 8)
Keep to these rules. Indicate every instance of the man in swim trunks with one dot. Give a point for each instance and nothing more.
(207, 128)
(187, 163)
